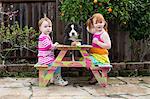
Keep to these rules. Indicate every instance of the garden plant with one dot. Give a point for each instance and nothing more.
(14, 38)
(131, 16)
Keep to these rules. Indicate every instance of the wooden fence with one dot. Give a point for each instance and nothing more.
(30, 11)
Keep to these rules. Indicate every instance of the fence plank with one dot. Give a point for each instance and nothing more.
(33, 14)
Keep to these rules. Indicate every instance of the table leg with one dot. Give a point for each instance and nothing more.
(101, 76)
(45, 76)
(61, 55)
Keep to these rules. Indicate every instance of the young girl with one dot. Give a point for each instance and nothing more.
(46, 49)
(101, 42)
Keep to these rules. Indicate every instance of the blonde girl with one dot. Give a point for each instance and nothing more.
(46, 49)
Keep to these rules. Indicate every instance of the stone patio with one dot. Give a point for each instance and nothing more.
(78, 88)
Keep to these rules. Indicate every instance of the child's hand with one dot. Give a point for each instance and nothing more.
(95, 40)
(56, 43)
(75, 43)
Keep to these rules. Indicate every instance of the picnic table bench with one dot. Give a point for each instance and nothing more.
(46, 72)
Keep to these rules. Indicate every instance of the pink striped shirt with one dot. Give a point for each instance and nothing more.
(45, 49)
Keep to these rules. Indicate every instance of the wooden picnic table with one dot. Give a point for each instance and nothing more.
(100, 73)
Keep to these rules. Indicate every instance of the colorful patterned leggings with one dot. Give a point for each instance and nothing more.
(58, 70)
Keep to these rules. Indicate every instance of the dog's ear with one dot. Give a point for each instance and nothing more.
(65, 40)
(78, 28)
(67, 29)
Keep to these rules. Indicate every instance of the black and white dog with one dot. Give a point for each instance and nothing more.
(72, 33)
(72, 36)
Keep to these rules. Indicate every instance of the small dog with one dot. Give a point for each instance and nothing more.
(72, 35)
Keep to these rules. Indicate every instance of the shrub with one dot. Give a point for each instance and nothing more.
(80, 10)
(13, 38)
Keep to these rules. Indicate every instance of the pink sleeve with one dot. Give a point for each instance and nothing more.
(46, 42)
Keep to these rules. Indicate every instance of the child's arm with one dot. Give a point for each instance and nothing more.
(106, 44)
(46, 43)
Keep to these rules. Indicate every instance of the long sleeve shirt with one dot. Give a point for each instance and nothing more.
(45, 49)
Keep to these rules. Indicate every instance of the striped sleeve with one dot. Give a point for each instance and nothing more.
(46, 43)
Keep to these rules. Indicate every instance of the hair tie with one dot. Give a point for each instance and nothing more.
(45, 15)
(91, 18)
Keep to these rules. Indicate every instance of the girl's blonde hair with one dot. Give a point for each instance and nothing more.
(99, 17)
(44, 19)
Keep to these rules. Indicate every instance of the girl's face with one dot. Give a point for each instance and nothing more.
(45, 27)
(98, 24)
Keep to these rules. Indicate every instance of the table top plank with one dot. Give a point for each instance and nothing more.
(69, 47)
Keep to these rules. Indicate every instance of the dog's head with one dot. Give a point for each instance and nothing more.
(72, 33)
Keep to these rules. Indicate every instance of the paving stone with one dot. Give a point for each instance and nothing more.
(95, 94)
(114, 80)
(136, 97)
(14, 82)
(145, 85)
(145, 79)
(94, 97)
(130, 80)
(9, 82)
(27, 88)
(123, 89)
(147, 90)
(10, 85)
(129, 96)
(54, 90)
(72, 97)
(90, 90)
(57, 97)
(15, 93)
(14, 97)
(144, 97)
(53, 97)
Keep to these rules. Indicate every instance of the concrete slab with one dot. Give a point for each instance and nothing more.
(129, 89)
(72, 97)
(54, 90)
(136, 97)
(145, 79)
(14, 82)
(115, 81)
(78, 88)
(132, 80)
(15, 93)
